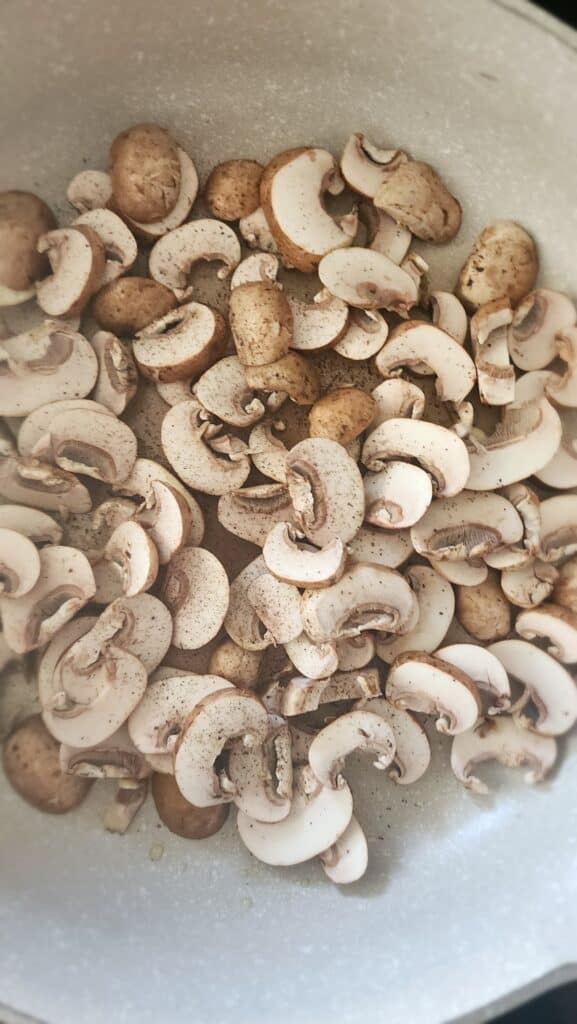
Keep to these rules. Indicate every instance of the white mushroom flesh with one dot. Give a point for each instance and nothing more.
(500, 739)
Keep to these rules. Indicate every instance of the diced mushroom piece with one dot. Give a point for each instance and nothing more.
(151, 230)
(232, 189)
(41, 486)
(91, 444)
(259, 266)
(262, 774)
(538, 318)
(547, 686)
(365, 166)
(417, 343)
(435, 448)
(565, 590)
(135, 554)
(114, 758)
(117, 377)
(483, 610)
(397, 496)
(318, 817)
(223, 391)
(242, 623)
(19, 564)
(528, 585)
(562, 388)
(129, 304)
(326, 489)
(436, 605)
(89, 190)
(315, 661)
(174, 255)
(77, 259)
(421, 682)
(181, 344)
(182, 817)
(167, 520)
(365, 335)
(30, 522)
(346, 860)
(341, 415)
(196, 591)
(46, 364)
(449, 315)
(554, 624)
(140, 625)
(396, 398)
(302, 695)
(502, 264)
(486, 671)
(318, 324)
(355, 652)
(523, 442)
(243, 668)
(217, 720)
(157, 722)
(120, 248)
(390, 548)
(140, 484)
(502, 740)
(355, 730)
(30, 759)
(467, 526)
(292, 374)
(64, 586)
(366, 279)
(302, 565)
(291, 194)
(256, 232)
(252, 512)
(277, 605)
(415, 197)
(463, 574)
(558, 527)
(495, 375)
(412, 749)
(365, 597)
(144, 172)
(24, 218)
(185, 439)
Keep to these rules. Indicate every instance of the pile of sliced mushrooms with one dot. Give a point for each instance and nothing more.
(241, 539)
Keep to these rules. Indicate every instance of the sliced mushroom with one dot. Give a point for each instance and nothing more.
(529, 508)
(92, 444)
(268, 453)
(326, 489)
(365, 597)
(319, 324)
(120, 248)
(417, 343)
(561, 472)
(89, 190)
(366, 279)
(181, 344)
(77, 259)
(464, 574)
(486, 671)
(158, 720)
(415, 197)
(262, 774)
(56, 649)
(140, 484)
(292, 374)
(241, 667)
(436, 604)
(302, 695)
(35, 429)
(356, 730)
(565, 590)
(129, 304)
(364, 166)
(252, 512)
(435, 448)
(341, 415)
(117, 377)
(19, 564)
(41, 486)
(375, 546)
(30, 759)
(315, 661)
(242, 623)
(562, 388)
(151, 230)
(278, 607)
(384, 235)
(530, 584)
(185, 436)
(232, 189)
(180, 816)
(256, 232)
(196, 591)
(174, 254)
(554, 624)
(47, 364)
(355, 652)
(145, 172)
(223, 391)
(412, 749)
(167, 520)
(129, 798)
(30, 522)
(114, 758)
(396, 398)
(523, 442)
(397, 496)
(449, 315)
(467, 526)
(133, 551)
(495, 375)
(291, 191)
(421, 682)
(302, 566)
(538, 318)
(483, 610)
(140, 625)
(259, 266)
(365, 335)
(546, 685)
(502, 740)
(346, 860)
(503, 263)
(558, 527)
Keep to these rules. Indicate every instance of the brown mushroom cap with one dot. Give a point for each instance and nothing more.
(31, 761)
(181, 817)
(483, 610)
(341, 415)
(130, 304)
(145, 172)
(413, 194)
(232, 189)
(503, 264)
(261, 322)
(293, 374)
(23, 219)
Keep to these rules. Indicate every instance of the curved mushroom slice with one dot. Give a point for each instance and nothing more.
(174, 254)
(157, 722)
(436, 604)
(421, 682)
(140, 625)
(495, 375)
(530, 584)
(396, 398)
(462, 573)
(133, 551)
(318, 817)
(366, 279)
(30, 522)
(89, 190)
(64, 586)
(365, 335)
(500, 739)
(120, 248)
(255, 231)
(561, 472)
(365, 597)
(140, 483)
(365, 166)
(41, 486)
(346, 860)
(224, 392)
(523, 442)
(167, 520)
(182, 207)
(242, 623)
(384, 235)
(355, 730)
(30, 759)
(252, 512)
(179, 391)
(319, 324)
(449, 315)
(397, 496)
(185, 436)
(259, 266)
(483, 610)
(412, 749)
(415, 344)
(562, 388)
(341, 415)
(49, 363)
(503, 263)
(467, 526)
(315, 661)
(114, 758)
(19, 564)
(292, 374)
(34, 433)
(302, 695)
(547, 686)
(278, 607)
(117, 376)
(303, 566)
(243, 668)
(56, 649)
(91, 444)
(262, 775)
(77, 260)
(181, 344)
(390, 548)
(355, 652)
(291, 191)
(435, 448)
(552, 623)
(326, 489)
(565, 591)
(486, 671)
(558, 527)
(196, 591)
(217, 720)
(538, 318)
(416, 197)
(529, 508)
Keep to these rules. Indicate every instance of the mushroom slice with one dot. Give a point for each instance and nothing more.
(174, 254)
(30, 759)
(530, 584)
(115, 758)
(196, 591)
(252, 512)
(130, 797)
(278, 607)
(46, 364)
(185, 436)
(365, 335)
(30, 522)
(538, 318)
(529, 508)
(355, 730)
(384, 235)
(259, 266)
(366, 279)
(355, 652)
(315, 661)
(326, 489)
(546, 685)
(302, 695)
(346, 860)
(341, 415)
(182, 207)
(412, 749)
(291, 191)
(421, 682)
(140, 484)
(77, 259)
(485, 669)
(302, 566)
(365, 597)
(552, 623)
(558, 527)
(19, 564)
(292, 374)
(561, 472)
(502, 264)
(224, 392)
(56, 649)
(417, 343)
(525, 440)
(64, 586)
(438, 450)
(242, 623)
(89, 190)
(319, 324)
(34, 433)
(502, 740)
(140, 625)
(166, 520)
(243, 668)
(415, 197)
(449, 315)
(495, 375)
(390, 548)
(262, 774)
(562, 388)
(565, 591)
(216, 720)
(91, 444)
(436, 604)
(256, 232)
(157, 721)
(364, 166)
(464, 574)
(396, 398)
(117, 376)
(41, 486)
(318, 817)
(397, 496)
(483, 610)
(120, 248)
(467, 526)
(132, 550)
(181, 344)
